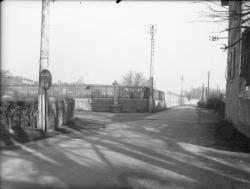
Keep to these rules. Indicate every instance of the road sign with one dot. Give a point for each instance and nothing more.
(45, 79)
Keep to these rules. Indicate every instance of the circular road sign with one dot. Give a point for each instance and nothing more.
(45, 79)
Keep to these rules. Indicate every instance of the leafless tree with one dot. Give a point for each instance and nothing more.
(216, 12)
(80, 80)
(134, 79)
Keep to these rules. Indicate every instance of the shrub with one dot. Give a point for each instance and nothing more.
(214, 102)
(19, 117)
(201, 104)
(19, 112)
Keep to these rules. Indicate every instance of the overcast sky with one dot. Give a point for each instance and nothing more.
(101, 41)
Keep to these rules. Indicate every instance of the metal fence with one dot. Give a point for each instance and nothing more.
(95, 91)
(81, 91)
(26, 90)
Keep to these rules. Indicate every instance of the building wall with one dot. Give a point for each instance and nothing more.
(244, 116)
(237, 109)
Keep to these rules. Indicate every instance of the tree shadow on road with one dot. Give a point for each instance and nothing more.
(173, 155)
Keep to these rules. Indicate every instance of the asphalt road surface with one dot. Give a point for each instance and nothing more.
(178, 148)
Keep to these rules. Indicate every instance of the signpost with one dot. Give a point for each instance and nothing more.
(45, 83)
(45, 79)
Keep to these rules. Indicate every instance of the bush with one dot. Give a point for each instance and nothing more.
(19, 117)
(19, 112)
(201, 104)
(214, 102)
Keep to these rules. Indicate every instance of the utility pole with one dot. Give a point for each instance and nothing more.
(202, 94)
(151, 79)
(208, 78)
(43, 65)
(182, 90)
(217, 90)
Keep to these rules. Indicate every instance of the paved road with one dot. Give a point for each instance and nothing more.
(178, 148)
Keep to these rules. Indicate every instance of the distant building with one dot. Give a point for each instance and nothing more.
(238, 68)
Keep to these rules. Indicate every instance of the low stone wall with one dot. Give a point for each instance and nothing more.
(105, 104)
(101, 104)
(134, 105)
(83, 104)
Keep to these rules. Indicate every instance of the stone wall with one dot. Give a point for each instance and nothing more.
(134, 105)
(105, 104)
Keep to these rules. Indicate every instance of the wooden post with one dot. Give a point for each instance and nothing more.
(151, 98)
(43, 64)
(217, 90)
(116, 85)
(208, 78)
(202, 97)
(116, 107)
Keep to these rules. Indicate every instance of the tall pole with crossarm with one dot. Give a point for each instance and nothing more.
(43, 64)
(151, 79)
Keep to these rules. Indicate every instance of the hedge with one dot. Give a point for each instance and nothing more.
(19, 116)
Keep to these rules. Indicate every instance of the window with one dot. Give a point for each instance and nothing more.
(229, 67)
(233, 63)
(245, 60)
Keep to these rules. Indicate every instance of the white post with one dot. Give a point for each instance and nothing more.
(115, 85)
(43, 64)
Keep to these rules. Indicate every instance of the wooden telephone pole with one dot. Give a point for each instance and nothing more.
(182, 98)
(151, 79)
(202, 94)
(43, 64)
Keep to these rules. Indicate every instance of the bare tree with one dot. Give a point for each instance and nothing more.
(216, 12)
(134, 79)
(80, 80)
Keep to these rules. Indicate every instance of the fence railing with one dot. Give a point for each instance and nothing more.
(26, 90)
(95, 91)
(83, 91)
